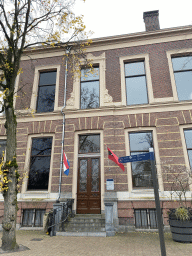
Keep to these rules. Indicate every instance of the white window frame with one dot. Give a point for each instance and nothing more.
(83, 82)
(34, 95)
(15, 92)
(27, 164)
(4, 138)
(74, 101)
(132, 59)
(171, 54)
(157, 158)
(1, 98)
(187, 163)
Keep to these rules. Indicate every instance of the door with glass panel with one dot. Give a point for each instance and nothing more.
(88, 185)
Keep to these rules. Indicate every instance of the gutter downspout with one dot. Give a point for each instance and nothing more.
(63, 132)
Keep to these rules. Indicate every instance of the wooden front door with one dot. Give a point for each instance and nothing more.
(88, 186)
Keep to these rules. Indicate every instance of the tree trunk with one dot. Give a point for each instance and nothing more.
(10, 196)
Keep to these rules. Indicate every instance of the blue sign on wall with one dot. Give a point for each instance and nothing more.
(136, 158)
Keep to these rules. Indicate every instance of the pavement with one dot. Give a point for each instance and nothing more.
(132, 243)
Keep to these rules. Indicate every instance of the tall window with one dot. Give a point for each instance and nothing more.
(90, 88)
(1, 98)
(2, 148)
(1, 102)
(182, 67)
(188, 139)
(141, 171)
(46, 91)
(136, 88)
(40, 163)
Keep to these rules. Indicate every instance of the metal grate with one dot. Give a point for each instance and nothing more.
(146, 219)
(33, 217)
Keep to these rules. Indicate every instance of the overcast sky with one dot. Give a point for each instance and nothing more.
(116, 17)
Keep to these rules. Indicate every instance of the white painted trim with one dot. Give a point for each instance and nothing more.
(132, 58)
(128, 110)
(170, 54)
(120, 41)
(75, 165)
(187, 163)
(146, 195)
(27, 163)
(36, 83)
(15, 90)
(99, 60)
(34, 195)
(156, 149)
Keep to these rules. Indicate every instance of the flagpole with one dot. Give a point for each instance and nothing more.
(63, 132)
(108, 159)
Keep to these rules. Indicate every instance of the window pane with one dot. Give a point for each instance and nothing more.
(144, 218)
(2, 148)
(89, 144)
(47, 78)
(132, 69)
(90, 95)
(87, 75)
(182, 63)
(188, 138)
(41, 146)
(190, 157)
(89, 89)
(40, 163)
(1, 102)
(83, 176)
(184, 85)
(141, 171)
(95, 175)
(137, 218)
(153, 218)
(136, 90)
(46, 99)
(141, 141)
(39, 218)
(39, 172)
(27, 217)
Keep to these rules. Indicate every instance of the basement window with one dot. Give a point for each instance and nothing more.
(146, 219)
(33, 217)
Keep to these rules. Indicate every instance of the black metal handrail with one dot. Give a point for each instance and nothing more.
(64, 211)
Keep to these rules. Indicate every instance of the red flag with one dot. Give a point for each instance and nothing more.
(115, 159)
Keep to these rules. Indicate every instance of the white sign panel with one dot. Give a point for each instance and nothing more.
(110, 184)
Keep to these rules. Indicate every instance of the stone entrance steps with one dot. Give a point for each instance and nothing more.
(85, 225)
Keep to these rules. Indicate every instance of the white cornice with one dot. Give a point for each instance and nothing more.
(107, 111)
(145, 34)
(119, 41)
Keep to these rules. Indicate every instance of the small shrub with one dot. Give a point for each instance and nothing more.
(182, 214)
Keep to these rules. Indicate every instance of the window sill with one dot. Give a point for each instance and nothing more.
(143, 190)
(30, 228)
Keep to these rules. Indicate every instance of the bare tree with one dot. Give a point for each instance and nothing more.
(179, 181)
(24, 24)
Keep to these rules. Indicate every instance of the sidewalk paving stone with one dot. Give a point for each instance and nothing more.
(132, 243)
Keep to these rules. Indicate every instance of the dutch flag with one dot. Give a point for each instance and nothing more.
(66, 164)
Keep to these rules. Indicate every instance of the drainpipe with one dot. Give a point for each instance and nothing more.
(63, 132)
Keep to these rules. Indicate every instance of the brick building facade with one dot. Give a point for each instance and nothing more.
(138, 97)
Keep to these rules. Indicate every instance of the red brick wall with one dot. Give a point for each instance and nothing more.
(168, 136)
(159, 69)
